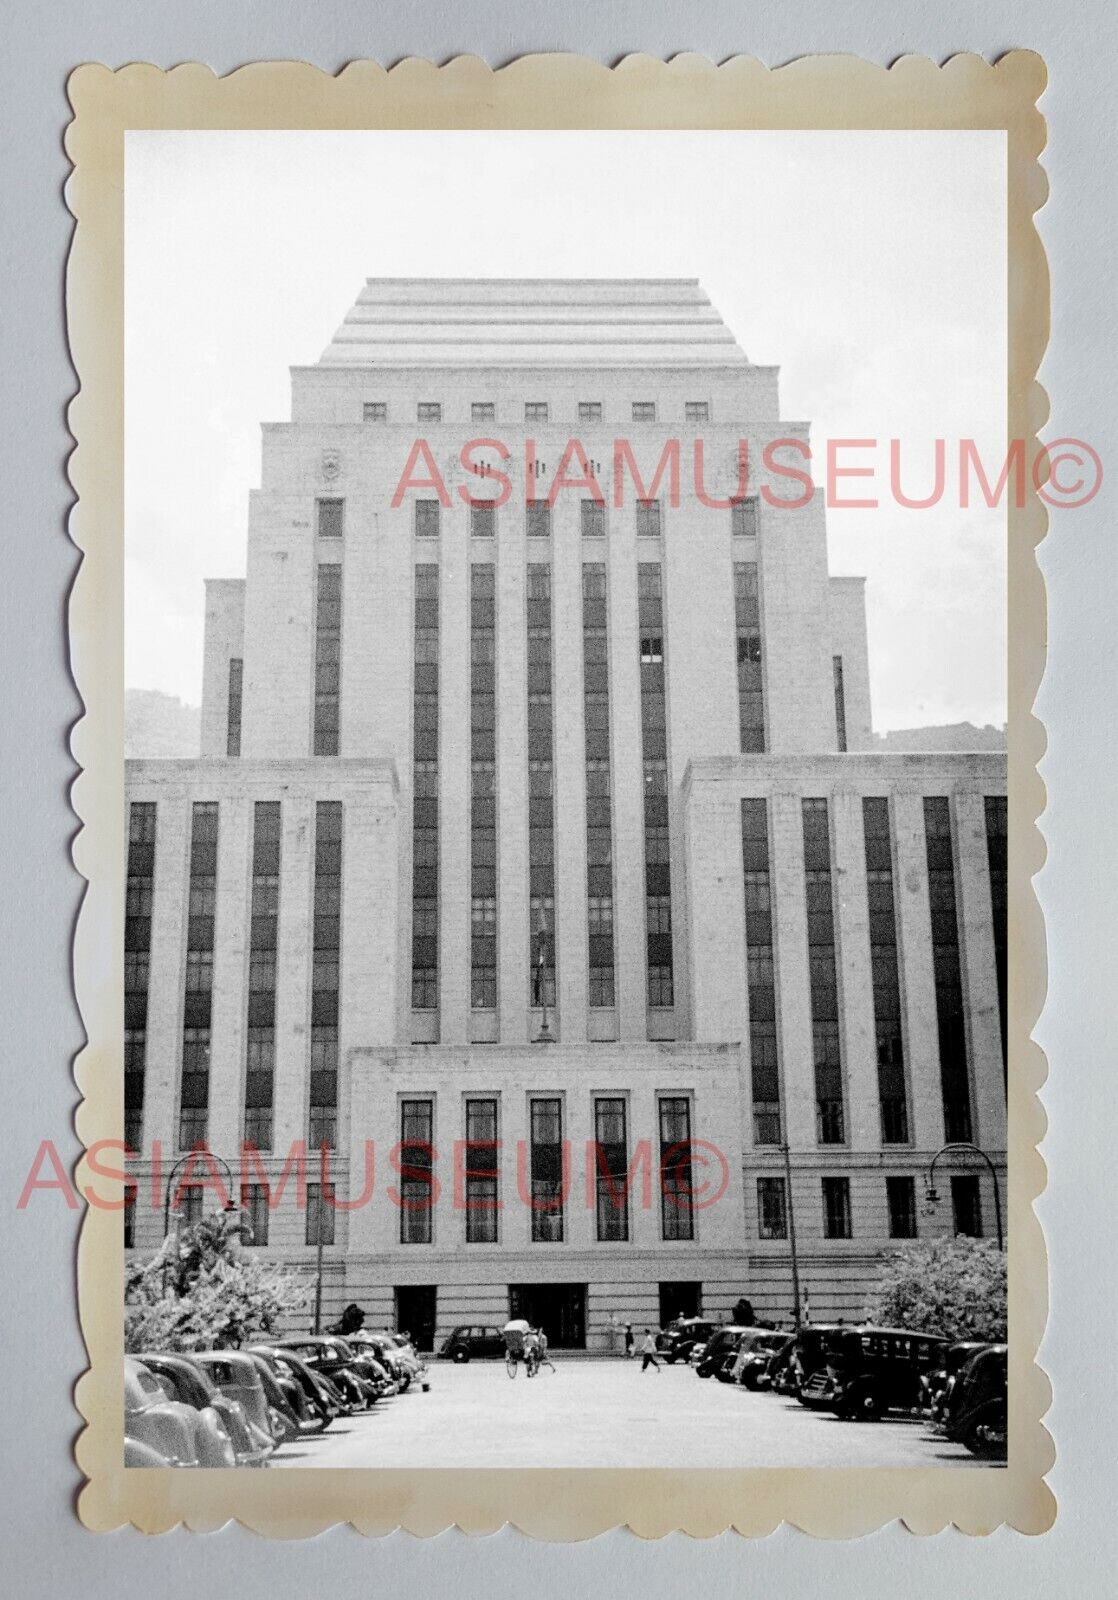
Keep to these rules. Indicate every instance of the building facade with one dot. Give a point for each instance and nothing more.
(536, 865)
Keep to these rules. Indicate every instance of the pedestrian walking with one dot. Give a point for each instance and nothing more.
(628, 1341)
(648, 1352)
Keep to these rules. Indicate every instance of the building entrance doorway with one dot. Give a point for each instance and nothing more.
(415, 1313)
(558, 1308)
(680, 1299)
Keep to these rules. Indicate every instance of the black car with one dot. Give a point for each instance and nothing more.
(871, 1371)
(473, 1342)
(976, 1410)
(679, 1338)
(939, 1383)
(721, 1344)
(808, 1359)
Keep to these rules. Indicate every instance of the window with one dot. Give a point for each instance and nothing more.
(328, 636)
(743, 518)
(600, 912)
(416, 1171)
(901, 1196)
(947, 971)
(325, 975)
(427, 519)
(375, 411)
(198, 986)
(539, 519)
(539, 779)
(697, 410)
(644, 411)
(772, 1217)
(659, 914)
(546, 1124)
(836, 1208)
(747, 617)
(611, 1155)
(966, 1206)
(822, 972)
(593, 514)
(597, 779)
(676, 1215)
(889, 1042)
(254, 1204)
(483, 521)
(233, 715)
(483, 411)
(840, 702)
(535, 411)
(424, 988)
(331, 515)
(590, 411)
(481, 1172)
(601, 983)
(648, 519)
(429, 411)
(320, 1215)
(657, 846)
(997, 842)
(661, 989)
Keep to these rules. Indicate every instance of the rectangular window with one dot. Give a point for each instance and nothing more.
(425, 785)
(743, 518)
(648, 519)
(751, 699)
(644, 411)
(997, 842)
(535, 411)
(901, 1196)
(546, 1121)
(416, 1188)
(140, 869)
(539, 519)
(593, 515)
(254, 1205)
(375, 411)
(331, 518)
(483, 521)
(483, 411)
(654, 750)
(263, 944)
(427, 519)
(483, 812)
(676, 1214)
(966, 1206)
(823, 972)
(696, 410)
(233, 713)
(320, 1214)
(947, 971)
(541, 806)
(836, 1208)
(327, 671)
(198, 996)
(590, 411)
(481, 1171)
(429, 411)
(325, 976)
(884, 971)
(772, 1216)
(611, 1155)
(760, 976)
(840, 703)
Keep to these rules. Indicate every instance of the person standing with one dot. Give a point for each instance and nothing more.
(648, 1352)
(628, 1341)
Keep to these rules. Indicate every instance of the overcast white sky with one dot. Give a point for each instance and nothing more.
(869, 267)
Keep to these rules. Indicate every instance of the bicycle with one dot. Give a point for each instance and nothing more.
(511, 1362)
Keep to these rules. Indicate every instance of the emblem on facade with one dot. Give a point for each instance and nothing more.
(331, 464)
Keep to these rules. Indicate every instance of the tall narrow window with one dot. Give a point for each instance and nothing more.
(648, 519)
(539, 519)
(953, 1064)
(427, 519)
(483, 803)
(331, 518)
(599, 818)
(764, 1058)
(654, 752)
(137, 962)
(966, 1206)
(743, 517)
(612, 1157)
(260, 1049)
(482, 1172)
(425, 800)
(541, 805)
(483, 521)
(747, 618)
(198, 997)
(676, 1214)
(547, 1171)
(884, 971)
(997, 840)
(254, 1204)
(836, 1208)
(840, 703)
(823, 974)
(772, 1215)
(328, 659)
(900, 1193)
(326, 974)
(417, 1154)
(233, 711)
(593, 518)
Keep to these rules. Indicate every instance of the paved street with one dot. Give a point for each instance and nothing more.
(606, 1413)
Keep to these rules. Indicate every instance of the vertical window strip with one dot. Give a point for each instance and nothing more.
(482, 1172)
(654, 751)
(951, 1025)
(997, 854)
(840, 703)
(823, 973)
(676, 1213)
(233, 708)
(328, 659)
(747, 622)
(425, 792)
(612, 1157)
(139, 890)
(260, 1037)
(885, 971)
(599, 823)
(764, 1056)
(325, 975)
(194, 1093)
(483, 802)
(417, 1118)
(546, 1127)
(541, 804)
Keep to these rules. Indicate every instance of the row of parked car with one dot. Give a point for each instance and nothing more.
(236, 1408)
(859, 1372)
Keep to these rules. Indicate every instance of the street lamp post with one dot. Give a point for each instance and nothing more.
(792, 1234)
(932, 1197)
(318, 1240)
(230, 1204)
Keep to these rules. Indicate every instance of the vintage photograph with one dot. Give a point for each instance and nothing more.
(565, 799)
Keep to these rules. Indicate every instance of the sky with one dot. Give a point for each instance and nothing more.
(869, 267)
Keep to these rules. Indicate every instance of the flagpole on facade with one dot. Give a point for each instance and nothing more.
(792, 1236)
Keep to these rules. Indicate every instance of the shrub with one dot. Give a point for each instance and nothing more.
(954, 1287)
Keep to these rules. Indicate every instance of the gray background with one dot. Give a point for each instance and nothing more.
(45, 1550)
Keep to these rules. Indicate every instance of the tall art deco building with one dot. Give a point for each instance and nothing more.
(542, 845)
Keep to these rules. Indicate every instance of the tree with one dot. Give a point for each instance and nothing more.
(954, 1287)
(199, 1291)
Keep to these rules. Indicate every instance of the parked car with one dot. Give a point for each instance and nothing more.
(175, 1432)
(938, 1383)
(976, 1412)
(679, 1337)
(403, 1363)
(234, 1373)
(871, 1371)
(754, 1352)
(473, 1343)
(284, 1389)
(323, 1399)
(190, 1383)
(808, 1358)
(722, 1342)
(336, 1359)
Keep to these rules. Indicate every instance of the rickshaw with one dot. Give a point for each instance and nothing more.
(521, 1345)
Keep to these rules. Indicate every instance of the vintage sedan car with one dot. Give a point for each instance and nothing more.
(185, 1380)
(939, 1383)
(679, 1338)
(807, 1359)
(871, 1371)
(976, 1412)
(359, 1376)
(722, 1343)
(174, 1431)
(400, 1359)
(473, 1342)
(324, 1402)
(755, 1350)
(234, 1373)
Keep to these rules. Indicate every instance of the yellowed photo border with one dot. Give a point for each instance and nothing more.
(558, 91)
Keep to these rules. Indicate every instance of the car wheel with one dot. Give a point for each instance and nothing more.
(405, 1382)
(461, 1355)
(751, 1380)
(699, 1371)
